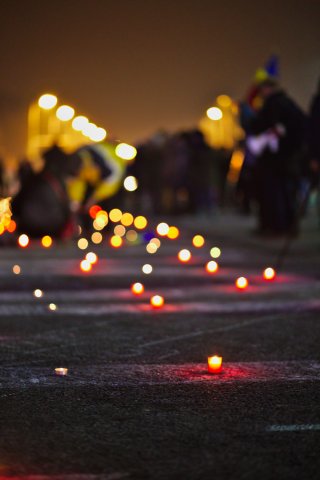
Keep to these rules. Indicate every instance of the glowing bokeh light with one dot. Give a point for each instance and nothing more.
(162, 229)
(92, 257)
(127, 219)
(96, 238)
(65, 113)
(83, 243)
(173, 233)
(119, 230)
(269, 273)
(242, 283)
(214, 364)
(61, 371)
(16, 269)
(212, 267)
(224, 101)
(38, 293)
(157, 301)
(85, 265)
(215, 252)
(78, 123)
(89, 129)
(140, 222)
(214, 113)
(137, 288)
(147, 268)
(47, 101)
(198, 241)
(131, 236)
(115, 215)
(52, 306)
(125, 151)
(130, 183)
(12, 226)
(98, 134)
(46, 241)
(23, 240)
(116, 241)
(184, 255)
(93, 211)
(151, 248)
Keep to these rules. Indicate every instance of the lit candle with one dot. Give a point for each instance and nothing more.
(242, 283)
(157, 301)
(214, 364)
(269, 273)
(61, 371)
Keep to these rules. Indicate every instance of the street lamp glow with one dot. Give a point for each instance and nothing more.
(214, 113)
(125, 151)
(130, 183)
(47, 101)
(78, 123)
(65, 113)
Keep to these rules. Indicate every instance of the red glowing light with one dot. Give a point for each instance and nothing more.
(214, 364)
(157, 301)
(12, 226)
(242, 283)
(137, 288)
(269, 273)
(94, 210)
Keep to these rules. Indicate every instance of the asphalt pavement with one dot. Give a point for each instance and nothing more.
(138, 401)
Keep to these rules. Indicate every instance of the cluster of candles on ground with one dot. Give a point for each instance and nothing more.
(129, 229)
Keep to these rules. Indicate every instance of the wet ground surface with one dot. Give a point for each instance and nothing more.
(138, 401)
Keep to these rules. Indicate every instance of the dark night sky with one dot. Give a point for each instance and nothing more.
(138, 65)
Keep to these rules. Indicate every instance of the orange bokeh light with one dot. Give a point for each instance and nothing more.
(137, 288)
(212, 267)
(46, 241)
(269, 273)
(12, 226)
(157, 301)
(116, 241)
(242, 283)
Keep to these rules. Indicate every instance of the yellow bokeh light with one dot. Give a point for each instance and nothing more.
(130, 183)
(156, 242)
(215, 252)
(214, 113)
(78, 123)
(140, 222)
(83, 243)
(224, 101)
(242, 283)
(96, 238)
(125, 151)
(115, 215)
(46, 241)
(137, 288)
(157, 301)
(52, 306)
(212, 267)
(127, 219)
(47, 101)
(198, 241)
(116, 241)
(163, 229)
(38, 293)
(151, 248)
(173, 233)
(65, 113)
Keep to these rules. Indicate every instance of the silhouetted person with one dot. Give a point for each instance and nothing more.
(42, 206)
(281, 126)
(314, 142)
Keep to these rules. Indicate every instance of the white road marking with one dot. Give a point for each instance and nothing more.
(294, 428)
(116, 375)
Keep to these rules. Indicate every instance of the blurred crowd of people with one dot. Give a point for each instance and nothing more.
(181, 174)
